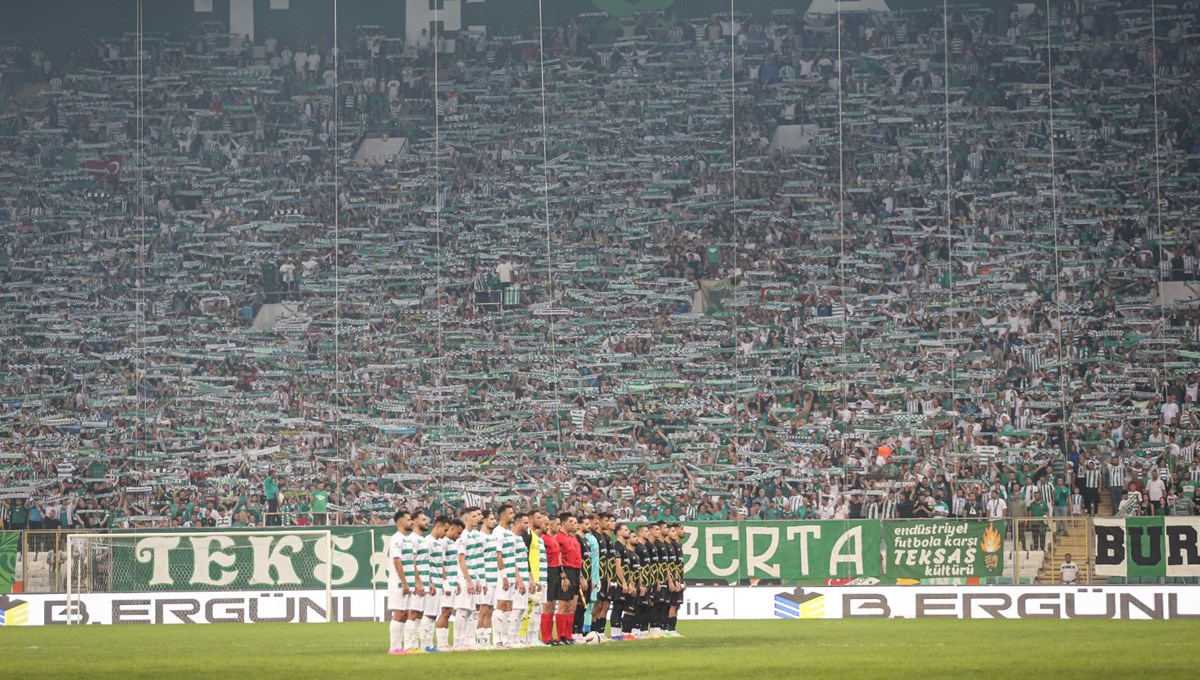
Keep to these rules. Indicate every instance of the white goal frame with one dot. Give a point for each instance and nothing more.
(84, 538)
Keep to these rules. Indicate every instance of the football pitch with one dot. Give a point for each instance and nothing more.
(741, 649)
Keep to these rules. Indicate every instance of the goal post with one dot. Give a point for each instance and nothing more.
(200, 561)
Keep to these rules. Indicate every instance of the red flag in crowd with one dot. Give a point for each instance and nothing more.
(108, 167)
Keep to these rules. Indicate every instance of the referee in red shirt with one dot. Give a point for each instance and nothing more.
(553, 571)
(571, 561)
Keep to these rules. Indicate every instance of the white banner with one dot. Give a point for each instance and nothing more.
(1147, 547)
(956, 602)
(301, 606)
(701, 604)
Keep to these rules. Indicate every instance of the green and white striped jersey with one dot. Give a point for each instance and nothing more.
(421, 552)
(474, 546)
(506, 542)
(520, 558)
(436, 547)
(405, 550)
(491, 568)
(450, 563)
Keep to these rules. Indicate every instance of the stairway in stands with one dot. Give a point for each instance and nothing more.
(1075, 542)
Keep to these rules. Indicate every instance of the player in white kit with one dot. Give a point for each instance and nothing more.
(470, 578)
(491, 580)
(401, 581)
(433, 564)
(420, 562)
(450, 584)
(510, 582)
(520, 601)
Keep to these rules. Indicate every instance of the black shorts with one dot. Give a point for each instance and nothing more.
(602, 592)
(571, 589)
(615, 594)
(552, 584)
(676, 598)
(658, 593)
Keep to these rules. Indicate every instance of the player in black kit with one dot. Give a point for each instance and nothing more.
(663, 579)
(637, 576)
(621, 582)
(647, 556)
(675, 535)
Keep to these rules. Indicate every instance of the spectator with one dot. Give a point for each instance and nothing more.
(1038, 511)
(1068, 570)
(1156, 494)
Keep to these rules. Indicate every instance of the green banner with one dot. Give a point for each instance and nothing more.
(787, 552)
(10, 543)
(935, 549)
(1147, 547)
(241, 560)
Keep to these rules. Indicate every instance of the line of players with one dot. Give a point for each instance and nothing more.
(484, 570)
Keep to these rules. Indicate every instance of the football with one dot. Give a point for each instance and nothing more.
(592, 638)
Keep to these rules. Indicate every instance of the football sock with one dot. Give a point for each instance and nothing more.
(443, 637)
(396, 633)
(598, 624)
(641, 617)
(577, 619)
(500, 626)
(410, 634)
(533, 629)
(617, 612)
(547, 626)
(472, 626)
(483, 637)
(460, 628)
(427, 631)
(570, 624)
(629, 624)
(514, 626)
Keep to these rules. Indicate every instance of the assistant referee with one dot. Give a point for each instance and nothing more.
(567, 591)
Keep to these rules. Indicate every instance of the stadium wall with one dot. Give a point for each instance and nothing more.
(717, 603)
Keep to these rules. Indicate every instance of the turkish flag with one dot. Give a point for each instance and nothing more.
(108, 167)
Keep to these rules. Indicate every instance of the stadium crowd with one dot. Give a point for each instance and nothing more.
(657, 314)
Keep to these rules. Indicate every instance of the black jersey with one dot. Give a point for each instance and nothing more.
(676, 561)
(635, 565)
(619, 553)
(658, 551)
(646, 561)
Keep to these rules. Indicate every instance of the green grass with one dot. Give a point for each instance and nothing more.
(1074, 650)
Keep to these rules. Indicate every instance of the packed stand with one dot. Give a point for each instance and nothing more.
(801, 325)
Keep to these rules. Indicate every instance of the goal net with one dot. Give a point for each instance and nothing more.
(199, 561)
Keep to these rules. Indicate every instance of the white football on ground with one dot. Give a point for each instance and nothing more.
(592, 638)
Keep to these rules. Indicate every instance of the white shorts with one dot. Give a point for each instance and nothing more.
(489, 596)
(398, 601)
(430, 604)
(539, 598)
(506, 595)
(464, 600)
(446, 598)
(521, 602)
